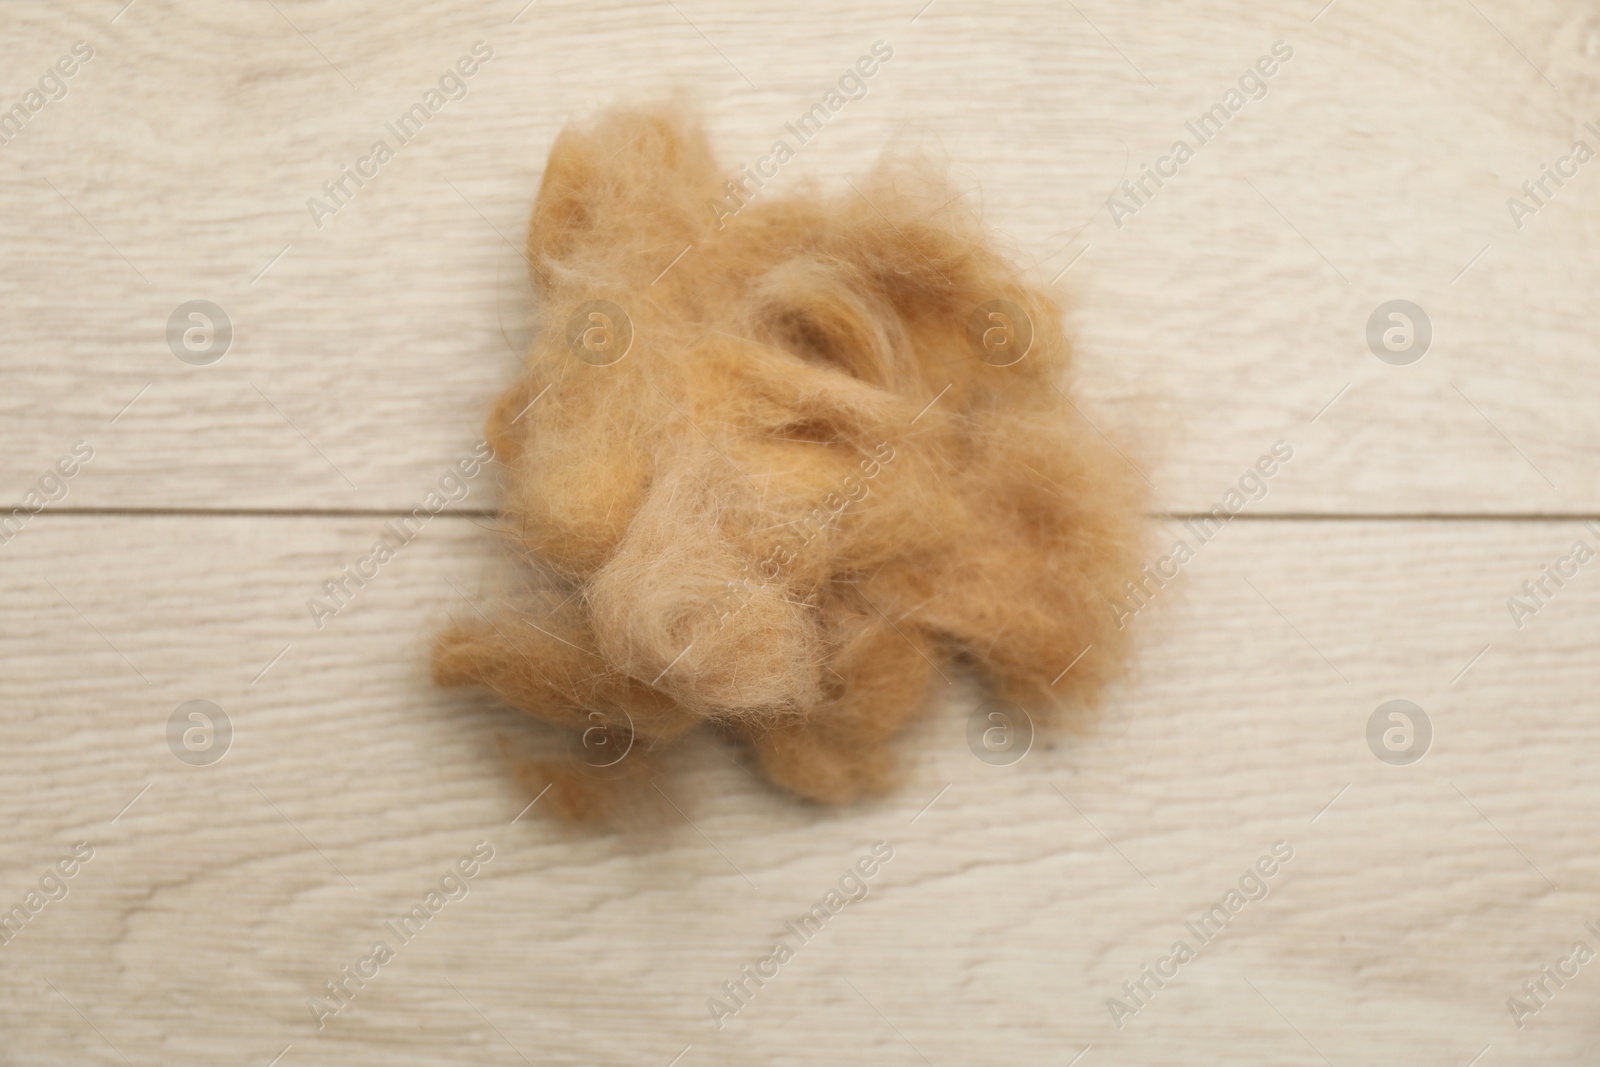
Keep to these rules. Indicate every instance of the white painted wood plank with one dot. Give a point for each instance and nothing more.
(1020, 899)
(1224, 315)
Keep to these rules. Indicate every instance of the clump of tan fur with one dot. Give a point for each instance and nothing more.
(816, 481)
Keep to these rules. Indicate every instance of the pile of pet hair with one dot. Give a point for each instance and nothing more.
(784, 471)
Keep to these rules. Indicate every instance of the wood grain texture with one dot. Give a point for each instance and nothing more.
(1019, 898)
(1227, 313)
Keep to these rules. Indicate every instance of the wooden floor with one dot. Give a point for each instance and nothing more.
(183, 909)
